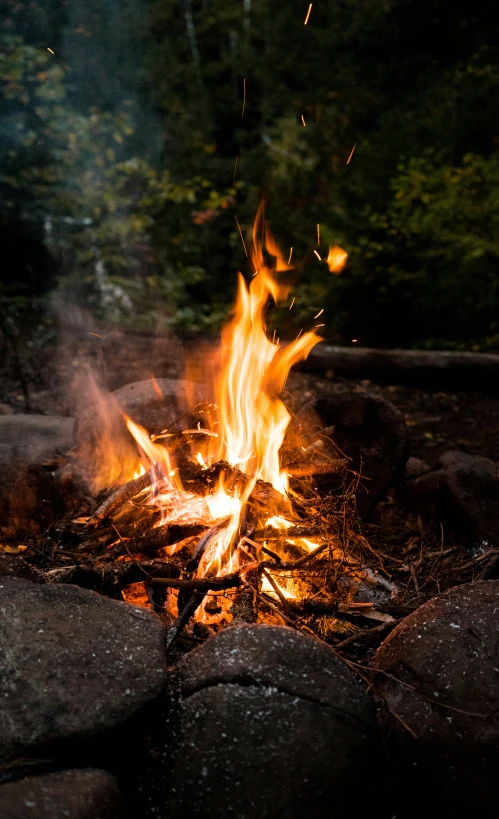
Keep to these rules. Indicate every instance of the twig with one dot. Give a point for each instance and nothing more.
(185, 615)
(201, 584)
(126, 492)
(318, 468)
(367, 632)
(276, 588)
(203, 544)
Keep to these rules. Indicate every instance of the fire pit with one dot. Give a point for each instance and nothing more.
(241, 523)
(224, 500)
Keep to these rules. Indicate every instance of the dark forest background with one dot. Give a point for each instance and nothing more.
(118, 152)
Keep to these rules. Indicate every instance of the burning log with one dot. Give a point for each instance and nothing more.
(167, 535)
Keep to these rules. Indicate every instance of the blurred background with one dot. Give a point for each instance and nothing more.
(134, 132)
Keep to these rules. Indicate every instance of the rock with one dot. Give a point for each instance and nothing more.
(462, 491)
(371, 432)
(446, 656)
(72, 664)
(157, 404)
(106, 453)
(268, 723)
(414, 468)
(30, 498)
(77, 794)
(34, 439)
(15, 566)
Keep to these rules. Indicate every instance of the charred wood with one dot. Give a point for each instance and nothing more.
(124, 493)
(166, 535)
(111, 580)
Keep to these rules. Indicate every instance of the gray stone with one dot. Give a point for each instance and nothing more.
(267, 723)
(30, 498)
(159, 403)
(72, 664)
(414, 468)
(443, 686)
(462, 492)
(373, 434)
(105, 452)
(71, 794)
(34, 439)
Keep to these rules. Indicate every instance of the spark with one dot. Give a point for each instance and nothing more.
(319, 313)
(290, 306)
(49, 49)
(235, 168)
(318, 255)
(244, 99)
(299, 334)
(318, 234)
(351, 154)
(308, 14)
(241, 235)
(303, 120)
(319, 325)
(95, 334)
(355, 339)
(290, 254)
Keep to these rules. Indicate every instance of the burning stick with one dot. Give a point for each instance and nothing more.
(122, 495)
(204, 543)
(318, 468)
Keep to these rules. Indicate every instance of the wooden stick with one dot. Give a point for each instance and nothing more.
(200, 584)
(185, 615)
(318, 468)
(124, 493)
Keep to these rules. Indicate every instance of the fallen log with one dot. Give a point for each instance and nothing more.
(431, 369)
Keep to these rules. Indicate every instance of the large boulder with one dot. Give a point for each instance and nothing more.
(267, 722)
(462, 492)
(439, 679)
(72, 664)
(73, 794)
(373, 434)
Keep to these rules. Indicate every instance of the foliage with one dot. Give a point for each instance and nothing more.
(148, 236)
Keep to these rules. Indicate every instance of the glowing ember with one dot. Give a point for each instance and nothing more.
(337, 259)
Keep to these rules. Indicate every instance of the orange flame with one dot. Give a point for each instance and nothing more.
(253, 420)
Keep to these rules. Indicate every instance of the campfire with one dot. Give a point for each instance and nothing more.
(247, 513)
